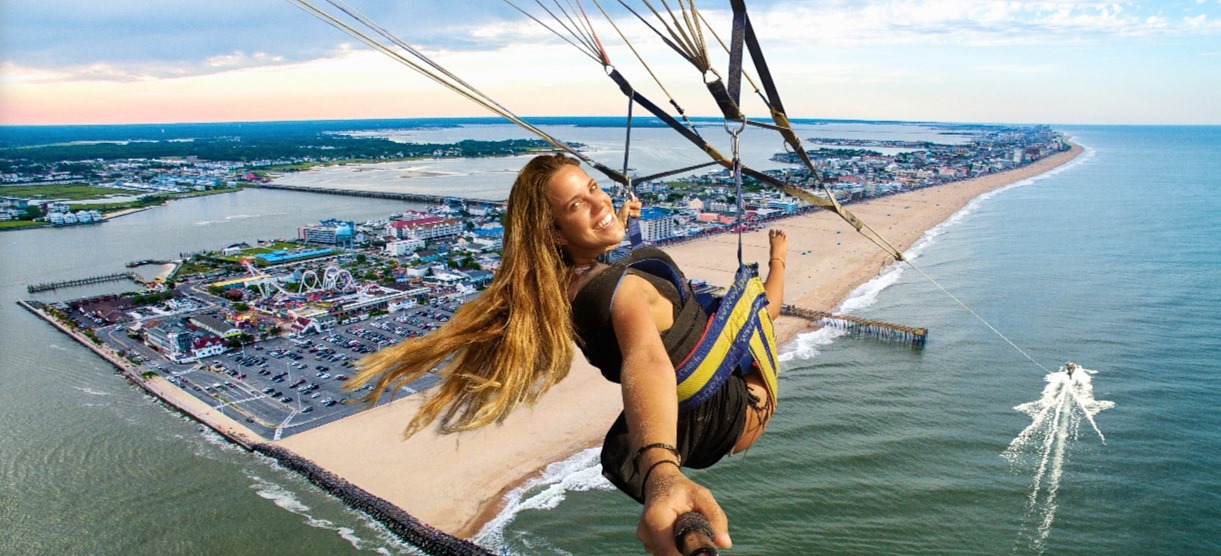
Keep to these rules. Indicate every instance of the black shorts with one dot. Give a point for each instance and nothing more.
(705, 435)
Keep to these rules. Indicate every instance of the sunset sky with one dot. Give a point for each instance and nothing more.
(1056, 62)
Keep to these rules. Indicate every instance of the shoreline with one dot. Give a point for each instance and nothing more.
(366, 454)
(158, 387)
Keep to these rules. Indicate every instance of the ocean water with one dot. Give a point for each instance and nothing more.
(1109, 262)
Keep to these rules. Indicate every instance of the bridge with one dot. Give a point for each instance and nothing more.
(409, 197)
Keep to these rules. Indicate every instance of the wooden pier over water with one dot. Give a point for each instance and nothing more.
(914, 337)
(35, 288)
(409, 197)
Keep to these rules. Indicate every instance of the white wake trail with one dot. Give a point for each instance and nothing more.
(1055, 421)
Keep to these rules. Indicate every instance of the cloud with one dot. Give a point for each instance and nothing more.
(966, 23)
(137, 38)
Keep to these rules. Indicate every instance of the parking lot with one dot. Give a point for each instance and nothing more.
(291, 384)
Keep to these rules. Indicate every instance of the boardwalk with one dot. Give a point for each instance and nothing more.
(914, 337)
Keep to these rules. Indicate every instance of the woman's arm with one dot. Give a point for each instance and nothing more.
(650, 404)
(774, 285)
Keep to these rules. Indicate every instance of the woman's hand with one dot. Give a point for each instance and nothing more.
(669, 494)
(630, 209)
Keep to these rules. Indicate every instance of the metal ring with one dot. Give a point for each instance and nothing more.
(741, 126)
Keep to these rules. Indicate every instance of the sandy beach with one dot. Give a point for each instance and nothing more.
(456, 482)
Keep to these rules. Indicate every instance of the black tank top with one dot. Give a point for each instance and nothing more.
(591, 312)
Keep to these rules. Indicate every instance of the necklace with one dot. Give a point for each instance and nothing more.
(582, 269)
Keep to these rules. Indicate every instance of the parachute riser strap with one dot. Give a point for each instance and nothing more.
(627, 141)
(781, 119)
(633, 226)
(756, 55)
(667, 173)
(786, 131)
(735, 140)
(724, 101)
(735, 52)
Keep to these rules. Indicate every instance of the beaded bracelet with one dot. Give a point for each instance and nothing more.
(647, 447)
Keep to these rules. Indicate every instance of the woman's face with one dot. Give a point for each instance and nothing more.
(584, 216)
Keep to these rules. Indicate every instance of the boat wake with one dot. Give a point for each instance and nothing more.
(1067, 400)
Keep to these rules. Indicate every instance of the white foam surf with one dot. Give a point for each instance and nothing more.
(287, 500)
(579, 473)
(805, 346)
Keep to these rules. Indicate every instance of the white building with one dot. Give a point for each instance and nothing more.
(207, 347)
(657, 229)
(318, 234)
(426, 228)
(402, 247)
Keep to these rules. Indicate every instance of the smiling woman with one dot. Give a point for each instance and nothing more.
(640, 325)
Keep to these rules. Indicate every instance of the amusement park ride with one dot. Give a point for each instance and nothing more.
(333, 278)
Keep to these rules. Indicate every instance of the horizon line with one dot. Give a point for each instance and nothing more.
(635, 118)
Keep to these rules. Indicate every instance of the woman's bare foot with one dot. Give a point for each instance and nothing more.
(779, 244)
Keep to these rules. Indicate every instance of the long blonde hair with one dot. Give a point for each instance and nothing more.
(510, 344)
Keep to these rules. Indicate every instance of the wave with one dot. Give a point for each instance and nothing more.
(579, 473)
(805, 346)
(287, 500)
(232, 217)
(91, 391)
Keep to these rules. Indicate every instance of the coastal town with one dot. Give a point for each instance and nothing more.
(268, 333)
(257, 339)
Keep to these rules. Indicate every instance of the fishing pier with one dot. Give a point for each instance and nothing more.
(885, 331)
(47, 286)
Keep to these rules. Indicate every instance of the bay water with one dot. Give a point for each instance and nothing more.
(1109, 262)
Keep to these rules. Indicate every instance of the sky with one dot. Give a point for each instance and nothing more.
(1054, 62)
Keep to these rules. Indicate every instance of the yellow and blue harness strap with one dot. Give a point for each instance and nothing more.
(739, 337)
